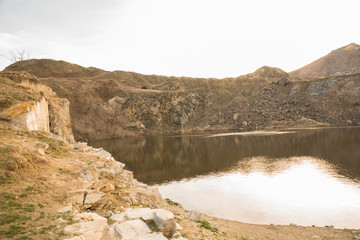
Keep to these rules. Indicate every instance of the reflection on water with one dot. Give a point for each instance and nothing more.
(305, 177)
(306, 193)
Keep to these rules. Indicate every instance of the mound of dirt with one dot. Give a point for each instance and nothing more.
(270, 72)
(342, 61)
(52, 68)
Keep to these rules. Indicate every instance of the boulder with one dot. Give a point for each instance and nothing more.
(75, 196)
(152, 236)
(195, 216)
(92, 196)
(59, 116)
(165, 221)
(90, 227)
(131, 229)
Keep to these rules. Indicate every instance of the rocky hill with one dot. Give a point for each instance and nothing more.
(55, 188)
(342, 61)
(116, 104)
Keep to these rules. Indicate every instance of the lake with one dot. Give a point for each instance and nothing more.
(306, 177)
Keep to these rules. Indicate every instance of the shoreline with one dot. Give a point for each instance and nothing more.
(79, 156)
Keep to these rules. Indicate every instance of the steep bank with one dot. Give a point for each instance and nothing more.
(342, 61)
(128, 104)
(56, 189)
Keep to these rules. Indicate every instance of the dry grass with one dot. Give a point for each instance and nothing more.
(37, 87)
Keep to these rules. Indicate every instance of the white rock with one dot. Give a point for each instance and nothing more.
(91, 228)
(65, 209)
(152, 236)
(134, 213)
(118, 217)
(164, 219)
(178, 227)
(89, 174)
(195, 216)
(130, 229)
(213, 224)
(93, 196)
(75, 196)
(144, 213)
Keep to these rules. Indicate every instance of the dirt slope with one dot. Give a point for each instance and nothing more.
(39, 176)
(342, 61)
(117, 104)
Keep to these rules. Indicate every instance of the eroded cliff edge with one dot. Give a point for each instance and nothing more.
(116, 104)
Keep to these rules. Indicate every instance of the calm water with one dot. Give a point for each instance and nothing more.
(306, 177)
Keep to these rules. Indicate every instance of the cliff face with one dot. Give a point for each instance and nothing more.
(59, 117)
(117, 104)
(48, 114)
(30, 116)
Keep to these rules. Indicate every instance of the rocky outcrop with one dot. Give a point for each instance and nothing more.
(50, 114)
(30, 116)
(59, 118)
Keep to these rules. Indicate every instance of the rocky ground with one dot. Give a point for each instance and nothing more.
(129, 104)
(57, 189)
(52, 189)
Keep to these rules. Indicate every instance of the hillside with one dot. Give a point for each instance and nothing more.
(342, 61)
(55, 188)
(106, 105)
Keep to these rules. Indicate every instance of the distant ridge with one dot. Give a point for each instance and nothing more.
(342, 61)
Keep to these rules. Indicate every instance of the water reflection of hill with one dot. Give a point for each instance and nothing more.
(160, 159)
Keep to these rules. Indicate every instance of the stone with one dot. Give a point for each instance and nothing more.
(114, 167)
(29, 116)
(75, 196)
(295, 89)
(109, 214)
(91, 226)
(118, 217)
(130, 229)
(92, 196)
(108, 187)
(177, 236)
(134, 213)
(152, 236)
(213, 224)
(195, 216)
(164, 219)
(89, 174)
(349, 122)
(245, 123)
(283, 82)
(65, 209)
(235, 116)
(316, 89)
(59, 118)
(178, 227)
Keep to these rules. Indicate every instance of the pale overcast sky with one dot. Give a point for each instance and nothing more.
(198, 38)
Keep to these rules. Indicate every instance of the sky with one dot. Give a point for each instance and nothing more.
(195, 38)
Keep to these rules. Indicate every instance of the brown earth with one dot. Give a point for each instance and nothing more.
(34, 186)
(117, 104)
(37, 172)
(342, 61)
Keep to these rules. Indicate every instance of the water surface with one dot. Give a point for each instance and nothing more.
(306, 177)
